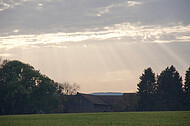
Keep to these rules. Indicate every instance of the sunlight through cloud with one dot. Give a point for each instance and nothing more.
(133, 3)
(125, 31)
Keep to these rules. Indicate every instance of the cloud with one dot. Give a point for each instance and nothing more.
(53, 16)
(48, 22)
(4, 6)
(126, 32)
(85, 46)
(10, 4)
(104, 10)
(16, 30)
(133, 3)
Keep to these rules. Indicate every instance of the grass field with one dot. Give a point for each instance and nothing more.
(99, 119)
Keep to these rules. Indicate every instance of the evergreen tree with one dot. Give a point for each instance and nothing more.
(187, 89)
(170, 92)
(147, 90)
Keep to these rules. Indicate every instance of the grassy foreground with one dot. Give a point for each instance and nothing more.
(99, 119)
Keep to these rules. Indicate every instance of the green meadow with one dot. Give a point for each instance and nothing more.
(177, 118)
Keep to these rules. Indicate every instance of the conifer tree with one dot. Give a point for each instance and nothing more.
(170, 92)
(147, 90)
(187, 89)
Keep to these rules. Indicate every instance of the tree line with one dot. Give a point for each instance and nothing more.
(24, 90)
(164, 92)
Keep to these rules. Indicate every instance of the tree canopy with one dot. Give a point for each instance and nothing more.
(146, 89)
(165, 92)
(170, 91)
(187, 89)
(24, 90)
(187, 81)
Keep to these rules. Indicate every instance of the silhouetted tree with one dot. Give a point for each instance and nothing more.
(170, 92)
(66, 92)
(187, 89)
(69, 89)
(146, 90)
(24, 90)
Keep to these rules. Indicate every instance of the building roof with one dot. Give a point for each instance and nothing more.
(100, 99)
(110, 99)
(93, 99)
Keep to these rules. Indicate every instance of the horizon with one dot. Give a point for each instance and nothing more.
(104, 46)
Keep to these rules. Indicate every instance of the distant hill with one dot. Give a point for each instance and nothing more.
(107, 93)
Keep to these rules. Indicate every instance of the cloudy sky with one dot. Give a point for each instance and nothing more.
(103, 45)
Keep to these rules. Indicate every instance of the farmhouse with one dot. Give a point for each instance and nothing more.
(93, 103)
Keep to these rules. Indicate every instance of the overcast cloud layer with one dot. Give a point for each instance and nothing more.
(78, 20)
(98, 43)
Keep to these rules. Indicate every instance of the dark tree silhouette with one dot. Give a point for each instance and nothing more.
(187, 89)
(170, 92)
(146, 89)
(24, 90)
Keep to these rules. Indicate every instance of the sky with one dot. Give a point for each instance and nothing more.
(102, 45)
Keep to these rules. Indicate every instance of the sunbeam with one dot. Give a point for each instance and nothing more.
(101, 45)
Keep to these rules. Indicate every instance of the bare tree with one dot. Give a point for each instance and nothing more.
(68, 89)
